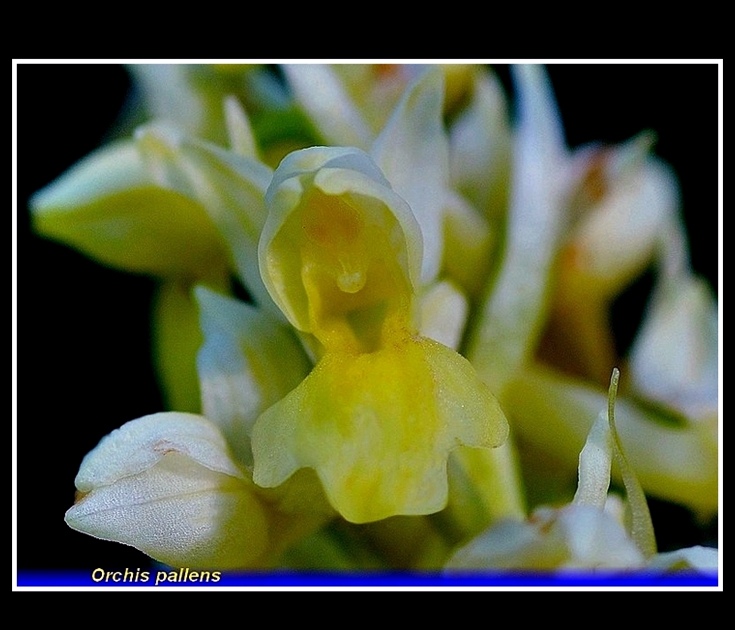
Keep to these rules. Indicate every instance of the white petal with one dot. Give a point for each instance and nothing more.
(140, 444)
(573, 537)
(674, 359)
(595, 461)
(413, 152)
(509, 544)
(618, 238)
(166, 485)
(697, 558)
(319, 90)
(480, 146)
(594, 539)
(248, 362)
(444, 311)
(230, 188)
(109, 207)
(241, 135)
(510, 319)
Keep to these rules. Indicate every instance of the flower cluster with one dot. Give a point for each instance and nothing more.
(426, 338)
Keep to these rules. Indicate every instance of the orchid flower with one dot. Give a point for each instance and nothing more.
(428, 293)
(593, 532)
(341, 255)
(582, 225)
(179, 486)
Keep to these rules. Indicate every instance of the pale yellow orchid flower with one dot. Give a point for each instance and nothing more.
(398, 281)
(340, 254)
(179, 486)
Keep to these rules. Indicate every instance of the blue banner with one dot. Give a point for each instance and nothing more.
(162, 578)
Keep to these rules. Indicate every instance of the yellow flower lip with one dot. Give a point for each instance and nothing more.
(378, 428)
(379, 414)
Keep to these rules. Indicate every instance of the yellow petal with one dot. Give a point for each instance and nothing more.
(108, 207)
(378, 428)
(340, 252)
(229, 188)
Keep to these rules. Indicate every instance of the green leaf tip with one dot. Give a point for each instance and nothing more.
(639, 517)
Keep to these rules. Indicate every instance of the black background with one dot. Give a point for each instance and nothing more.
(83, 358)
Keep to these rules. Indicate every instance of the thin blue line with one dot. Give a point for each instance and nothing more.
(295, 579)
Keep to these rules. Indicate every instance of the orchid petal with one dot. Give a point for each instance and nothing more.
(109, 207)
(618, 237)
(378, 428)
(248, 362)
(239, 130)
(228, 186)
(166, 484)
(320, 92)
(444, 310)
(509, 321)
(469, 244)
(480, 146)
(698, 558)
(674, 358)
(337, 179)
(413, 152)
(573, 537)
(672, 462)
